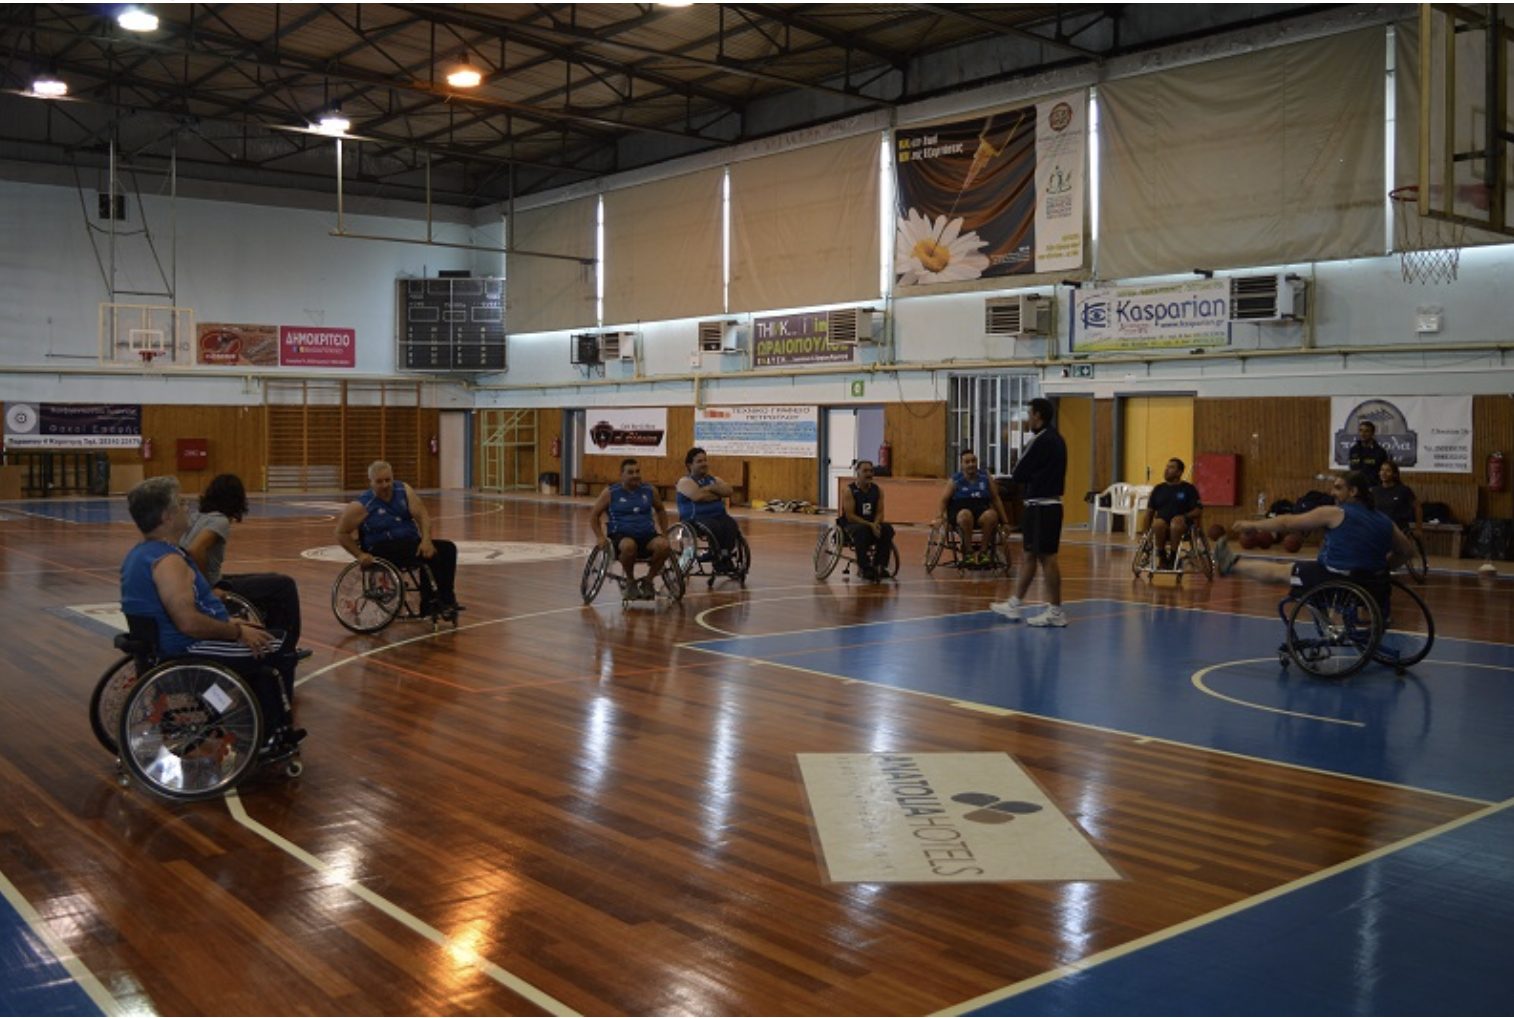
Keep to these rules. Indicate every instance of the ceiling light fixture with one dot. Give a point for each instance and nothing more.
(49, 86)
(137, 19)
(464, 75)
(333, 122)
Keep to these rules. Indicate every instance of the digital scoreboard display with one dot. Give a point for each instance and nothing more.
(451, 324)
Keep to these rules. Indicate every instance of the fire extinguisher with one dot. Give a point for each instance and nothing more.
(1498, 471)
(435, 445)
(146, 449)
(557, 447)
(885, 456)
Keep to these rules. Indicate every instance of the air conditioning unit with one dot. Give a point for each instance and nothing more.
(849, 326)
(717, 335)
(1276, 298)
(617, 346)
(583, 348)
(1026, 314)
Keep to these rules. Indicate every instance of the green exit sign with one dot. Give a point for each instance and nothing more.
(1080, 371)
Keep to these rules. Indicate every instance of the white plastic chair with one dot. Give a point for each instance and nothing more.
(1127, 500)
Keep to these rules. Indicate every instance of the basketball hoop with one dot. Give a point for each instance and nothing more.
(1429, 249)
(149, 358)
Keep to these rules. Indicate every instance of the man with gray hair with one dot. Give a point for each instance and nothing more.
(159, 581)
(390, 521)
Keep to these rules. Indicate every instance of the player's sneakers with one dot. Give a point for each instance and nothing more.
(1009, 609)
(1052, 617)
(1224, 557)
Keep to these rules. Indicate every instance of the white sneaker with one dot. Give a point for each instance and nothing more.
(1050, 617)
(1009, 609)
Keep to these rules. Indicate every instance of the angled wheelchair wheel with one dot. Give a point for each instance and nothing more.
(240, 609)
(1418, 566)
(672, 580)
(893, 560)
(741, 559)
(1197, 558)
(684, 540)
(1145, 556)
(367, 600)
(109, 697)
(1408, 632)
(828, 551)
(595, 571)
(1333, 630)
(1004, 563)
(190, 729)
(935, 544)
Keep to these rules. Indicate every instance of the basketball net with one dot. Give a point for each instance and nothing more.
(1429, 249)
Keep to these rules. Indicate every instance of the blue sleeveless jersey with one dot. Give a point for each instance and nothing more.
(1362, 541)
(631, 512)
(139, 594)
(387, 521)
(688, 509)
(867, 502)
(975, 492)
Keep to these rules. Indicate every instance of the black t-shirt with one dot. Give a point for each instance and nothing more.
(1396, 503)
(1169, 500)
(1369, 461)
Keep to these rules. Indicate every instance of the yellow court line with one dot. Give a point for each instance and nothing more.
(457, 949)
(102, 998)
(1095, 960)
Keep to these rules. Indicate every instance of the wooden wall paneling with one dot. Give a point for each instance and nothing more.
(917, 433)
(1103, 450)
(1492, 431)
(235, 435)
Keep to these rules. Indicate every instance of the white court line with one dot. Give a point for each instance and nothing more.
(456, 948)
(1095, 960)
(1198, 680)
(86, 979)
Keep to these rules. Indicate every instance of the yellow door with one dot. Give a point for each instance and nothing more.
(1075, 422)
(1154, 429)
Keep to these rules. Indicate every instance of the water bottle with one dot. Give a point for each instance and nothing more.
(1261, 503)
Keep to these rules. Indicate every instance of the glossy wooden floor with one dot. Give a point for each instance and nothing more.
(558, 808)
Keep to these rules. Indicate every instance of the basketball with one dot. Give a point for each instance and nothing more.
(1264, 539)
(1293, 542)
(1216, 531)
(1487, 569)
(1248, 539)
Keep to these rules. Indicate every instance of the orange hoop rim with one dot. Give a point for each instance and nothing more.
(1407, 193)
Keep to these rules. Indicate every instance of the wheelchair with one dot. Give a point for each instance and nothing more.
(602, 566)
(835, 546)
(119, 679)
(696, 551)
(945, 539)
(1193, 555)
(186, 728)
(1335, 628)
(1418, 566)
(367, 600)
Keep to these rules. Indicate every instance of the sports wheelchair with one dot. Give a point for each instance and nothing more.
(1193, 555)
(602, 565)
(835, 546)
(1336, 627)
(187, 728)
(365, 600)
(944, 539)
(697, 553)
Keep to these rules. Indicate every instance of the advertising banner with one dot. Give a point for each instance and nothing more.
(73, 426)
(1423, 433)
(758, 431)
(627, 431)
(793, 340)
(228, 344)
(1000, 195)
(1183, 314)
(309, 347)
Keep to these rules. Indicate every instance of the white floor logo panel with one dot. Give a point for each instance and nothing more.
(940, 818)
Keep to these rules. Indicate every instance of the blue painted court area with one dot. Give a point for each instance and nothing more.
(32, 981)
(1130, 668)
(1425, 930)
(113, 510)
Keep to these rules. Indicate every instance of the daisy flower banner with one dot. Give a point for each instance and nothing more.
(999, 195)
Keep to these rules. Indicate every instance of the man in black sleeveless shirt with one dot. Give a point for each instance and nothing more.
(862, 516)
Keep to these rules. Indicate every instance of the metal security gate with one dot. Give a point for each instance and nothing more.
(987, 414)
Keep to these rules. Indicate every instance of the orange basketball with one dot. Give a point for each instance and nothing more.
(1248, 539)
(1216, 531)
(1264, 539)
(1293, 542)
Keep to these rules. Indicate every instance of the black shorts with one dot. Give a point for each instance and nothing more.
(1041, 528)
(643, 543)
(971, 505)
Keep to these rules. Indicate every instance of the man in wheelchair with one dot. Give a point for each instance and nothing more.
(701, 499)
(970, 501)
(1174, 507)
(389, 521)
(160, 582)
(862, 518)
(638, 527)
(1358, 540)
